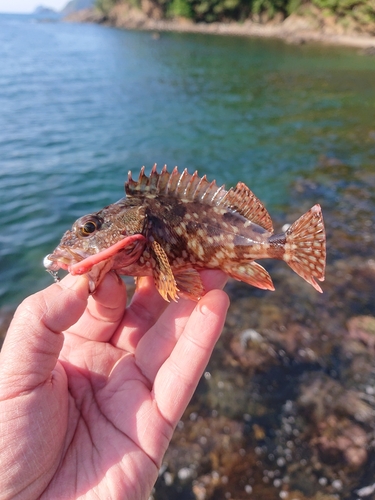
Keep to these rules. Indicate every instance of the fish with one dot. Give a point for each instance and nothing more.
(171, 225)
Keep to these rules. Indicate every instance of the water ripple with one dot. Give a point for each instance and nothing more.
(82, 105)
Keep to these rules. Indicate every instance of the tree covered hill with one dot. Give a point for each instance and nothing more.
(354, 15)
(76, 5)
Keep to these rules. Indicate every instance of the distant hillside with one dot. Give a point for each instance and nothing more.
(333, 16)
(42, 12)
(76, 5)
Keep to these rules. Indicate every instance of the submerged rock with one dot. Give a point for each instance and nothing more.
(322, 396)
(363, 328)
(286, 408)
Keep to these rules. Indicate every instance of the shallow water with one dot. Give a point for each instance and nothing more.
(82, 104)
(285, 409)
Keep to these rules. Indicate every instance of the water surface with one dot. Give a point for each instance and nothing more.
(83, 104)
(80, 105)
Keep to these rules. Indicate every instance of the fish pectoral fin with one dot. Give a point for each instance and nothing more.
(251, 273)
(162, 272)
(190, 284)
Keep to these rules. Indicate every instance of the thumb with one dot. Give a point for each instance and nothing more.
(34, 339)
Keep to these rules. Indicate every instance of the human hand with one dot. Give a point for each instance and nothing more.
(89, 413)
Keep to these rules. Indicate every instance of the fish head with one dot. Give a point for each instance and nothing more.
(94, 240)
(86, 237)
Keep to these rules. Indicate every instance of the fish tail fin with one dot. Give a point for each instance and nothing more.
(305, 247)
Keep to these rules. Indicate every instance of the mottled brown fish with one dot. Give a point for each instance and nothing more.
(170, 225)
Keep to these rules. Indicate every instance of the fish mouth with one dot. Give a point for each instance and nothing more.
(62, 258)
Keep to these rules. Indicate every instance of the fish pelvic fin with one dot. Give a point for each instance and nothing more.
(251, 273)
(189, 284)
(305, 247)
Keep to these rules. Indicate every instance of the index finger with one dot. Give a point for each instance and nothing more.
(37, 326)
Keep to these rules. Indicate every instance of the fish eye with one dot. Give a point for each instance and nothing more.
(89, 227)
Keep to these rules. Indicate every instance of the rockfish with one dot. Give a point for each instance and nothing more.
(170, 225)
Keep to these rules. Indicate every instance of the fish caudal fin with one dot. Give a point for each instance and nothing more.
(305, 247)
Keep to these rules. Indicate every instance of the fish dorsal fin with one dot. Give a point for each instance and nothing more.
(242, 200)
(175, 184)
(192, 187)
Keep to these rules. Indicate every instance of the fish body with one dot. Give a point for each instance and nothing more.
(170, 225)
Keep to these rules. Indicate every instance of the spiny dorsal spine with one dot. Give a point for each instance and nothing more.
(194, 188)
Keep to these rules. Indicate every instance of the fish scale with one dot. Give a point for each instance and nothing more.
(171, 225)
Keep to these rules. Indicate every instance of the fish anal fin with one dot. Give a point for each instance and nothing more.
(189, 284)
(305, 247)
(163, 276)
(251, 273)
(243, 201)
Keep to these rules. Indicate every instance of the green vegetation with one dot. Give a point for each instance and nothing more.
(358, 13)
(361, 12)
(105, 5)
(179, 8)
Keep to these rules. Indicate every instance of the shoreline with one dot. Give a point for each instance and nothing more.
(294, 29)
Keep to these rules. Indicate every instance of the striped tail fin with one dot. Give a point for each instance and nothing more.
(305, 247)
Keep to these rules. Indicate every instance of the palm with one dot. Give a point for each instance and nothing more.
(121, 384)
(100, 429)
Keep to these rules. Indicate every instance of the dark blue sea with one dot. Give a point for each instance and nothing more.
(80, 105)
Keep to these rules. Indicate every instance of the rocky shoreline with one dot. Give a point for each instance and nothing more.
(294, 29)
(286, 407)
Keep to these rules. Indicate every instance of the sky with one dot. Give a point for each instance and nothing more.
(28, 6)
